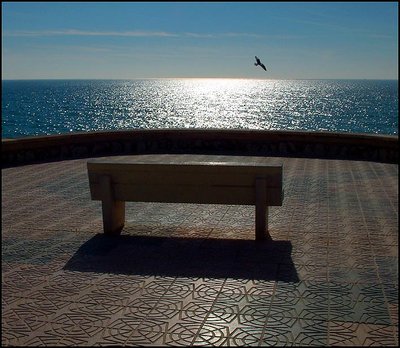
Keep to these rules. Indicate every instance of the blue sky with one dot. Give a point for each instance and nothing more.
(126, 40)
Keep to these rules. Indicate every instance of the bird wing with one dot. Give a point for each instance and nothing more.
(258, 60)
(263, 66)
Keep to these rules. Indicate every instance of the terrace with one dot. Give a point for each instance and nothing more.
(188, 274)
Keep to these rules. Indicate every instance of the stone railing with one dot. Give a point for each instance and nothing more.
(37, 149)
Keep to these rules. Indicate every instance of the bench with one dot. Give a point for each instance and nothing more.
(203, 179)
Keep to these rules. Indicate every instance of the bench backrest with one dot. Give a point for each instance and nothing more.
(210, 182)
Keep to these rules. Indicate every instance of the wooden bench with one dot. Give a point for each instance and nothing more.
(237, 180)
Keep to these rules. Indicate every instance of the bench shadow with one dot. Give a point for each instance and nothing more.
(185, 257)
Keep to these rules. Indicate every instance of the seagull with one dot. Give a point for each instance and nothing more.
(258, 62)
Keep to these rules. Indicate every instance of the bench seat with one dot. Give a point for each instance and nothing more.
(203, 179)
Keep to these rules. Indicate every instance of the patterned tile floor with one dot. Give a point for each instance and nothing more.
(186, 274)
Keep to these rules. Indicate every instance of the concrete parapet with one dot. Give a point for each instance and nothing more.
(366, 147)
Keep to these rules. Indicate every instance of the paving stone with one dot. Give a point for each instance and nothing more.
(188, 274)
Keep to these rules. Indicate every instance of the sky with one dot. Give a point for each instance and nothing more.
(128, 40)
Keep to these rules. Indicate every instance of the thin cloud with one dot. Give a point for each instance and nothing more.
(224, 35)
(200, 36)
(73, 32)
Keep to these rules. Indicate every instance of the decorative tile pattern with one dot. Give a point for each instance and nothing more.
(295, 331)
(360, 334)
(192, 275)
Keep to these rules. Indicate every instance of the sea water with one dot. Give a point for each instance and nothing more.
(40, 107)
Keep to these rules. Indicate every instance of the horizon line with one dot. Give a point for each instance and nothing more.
(193, 78)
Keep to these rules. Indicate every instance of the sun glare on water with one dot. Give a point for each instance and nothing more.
(216, 103)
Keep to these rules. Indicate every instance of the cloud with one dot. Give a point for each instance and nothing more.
(74, 32)
(136, 33)
(222, 35)
(148, 34)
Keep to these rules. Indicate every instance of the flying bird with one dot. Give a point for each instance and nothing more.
(258, 62)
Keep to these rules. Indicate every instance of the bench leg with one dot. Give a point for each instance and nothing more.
(261, 210)
(113, 211)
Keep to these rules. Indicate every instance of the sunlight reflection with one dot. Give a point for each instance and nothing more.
(218, 102)
(205, 103)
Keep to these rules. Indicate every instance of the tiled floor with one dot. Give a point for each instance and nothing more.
(186, 274)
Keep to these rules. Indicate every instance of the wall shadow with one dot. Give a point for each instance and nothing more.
(185, 257)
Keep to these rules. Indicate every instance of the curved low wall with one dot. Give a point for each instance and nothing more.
(36, 149)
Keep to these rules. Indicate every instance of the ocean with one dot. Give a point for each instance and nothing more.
(43, 107)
